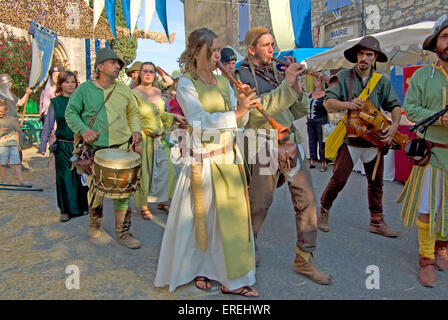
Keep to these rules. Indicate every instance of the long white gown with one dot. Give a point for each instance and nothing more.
(180, 259)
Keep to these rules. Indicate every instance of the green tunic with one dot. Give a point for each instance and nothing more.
(85, 103)
(232, 207)
(424, 97)
(71, 194)
(154, 120)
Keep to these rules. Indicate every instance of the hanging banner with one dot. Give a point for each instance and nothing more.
(44, 41)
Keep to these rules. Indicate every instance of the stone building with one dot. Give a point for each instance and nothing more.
(332, 25)
(231, 19)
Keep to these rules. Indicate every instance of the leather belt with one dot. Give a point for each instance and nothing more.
(152, 135)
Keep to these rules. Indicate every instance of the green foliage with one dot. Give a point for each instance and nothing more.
(15, 60)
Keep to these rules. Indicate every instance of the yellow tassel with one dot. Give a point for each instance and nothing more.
(199, 210)
(335, 140)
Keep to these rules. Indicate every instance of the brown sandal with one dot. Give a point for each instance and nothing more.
(243, 292)
(146, 214)
(164, 207)
(205, 280)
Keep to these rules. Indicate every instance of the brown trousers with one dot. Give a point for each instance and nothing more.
(342, 169)
(261, 193)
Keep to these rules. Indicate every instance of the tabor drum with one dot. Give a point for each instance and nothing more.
(116, 172)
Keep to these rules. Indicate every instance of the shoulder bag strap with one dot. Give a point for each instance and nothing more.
(92, 120)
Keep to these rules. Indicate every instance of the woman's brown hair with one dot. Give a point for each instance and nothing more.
(139, 79)
(196, 40)
(63, 76)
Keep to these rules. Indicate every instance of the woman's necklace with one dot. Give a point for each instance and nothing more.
(208, 81)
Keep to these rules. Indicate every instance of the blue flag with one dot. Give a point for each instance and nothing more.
(110, 13)
(43, 46)
(161, 12)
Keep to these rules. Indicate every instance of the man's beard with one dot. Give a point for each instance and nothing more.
(442, 54)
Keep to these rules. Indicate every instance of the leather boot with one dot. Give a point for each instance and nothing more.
(441, 259)
(95, 218)
(122, 226)
(427, 275)
(378, 225)
(322, 221)
(303, 266)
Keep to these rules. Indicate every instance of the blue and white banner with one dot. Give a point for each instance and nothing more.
(131, 9)
(44, 41)
(291, 23)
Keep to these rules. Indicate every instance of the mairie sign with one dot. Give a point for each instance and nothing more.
(341, 32)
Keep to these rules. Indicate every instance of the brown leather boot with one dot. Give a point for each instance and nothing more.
(95, 218)
(440, 256)
(378, 225)
(304, 267)
(322, 221)
(122, 226)
(427, 275)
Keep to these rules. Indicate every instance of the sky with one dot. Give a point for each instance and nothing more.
(163, 55)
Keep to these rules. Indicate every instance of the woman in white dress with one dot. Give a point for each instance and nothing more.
(208, 235)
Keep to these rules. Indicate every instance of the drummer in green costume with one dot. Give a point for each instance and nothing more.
(425, 194)
(71, 194)
(208, 235)
(158, 174)
(116, 125)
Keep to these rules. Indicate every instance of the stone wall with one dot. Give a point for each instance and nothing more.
(378, 16)
(222, 18)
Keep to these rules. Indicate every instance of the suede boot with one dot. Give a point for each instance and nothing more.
(322, 221)
(440, 256)
(427, 275)
(122, 226)
(303, 266)
(95, 218)
(378, 225)
(426, 241)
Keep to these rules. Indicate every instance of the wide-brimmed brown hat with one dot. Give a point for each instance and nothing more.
(368, 42)
(134, 67)
(439, 25)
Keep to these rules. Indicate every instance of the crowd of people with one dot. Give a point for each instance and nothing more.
(218, 201)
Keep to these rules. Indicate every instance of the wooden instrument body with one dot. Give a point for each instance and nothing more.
(116, 172)
(368, 122)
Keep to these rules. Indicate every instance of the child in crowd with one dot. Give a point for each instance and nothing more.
(9, 144)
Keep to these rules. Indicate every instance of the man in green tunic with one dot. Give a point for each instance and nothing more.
(425, 192)
(85, 103)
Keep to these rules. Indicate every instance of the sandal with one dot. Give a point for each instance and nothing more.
(164, 207)
(146, 214)
(323, 169)
(205, 280)
(243, 292)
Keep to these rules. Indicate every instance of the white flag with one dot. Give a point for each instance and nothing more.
(150, 7)
(135, 9)
(98, 6)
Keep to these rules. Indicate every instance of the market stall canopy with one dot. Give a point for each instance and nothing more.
(403, 47)
(69, 18)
